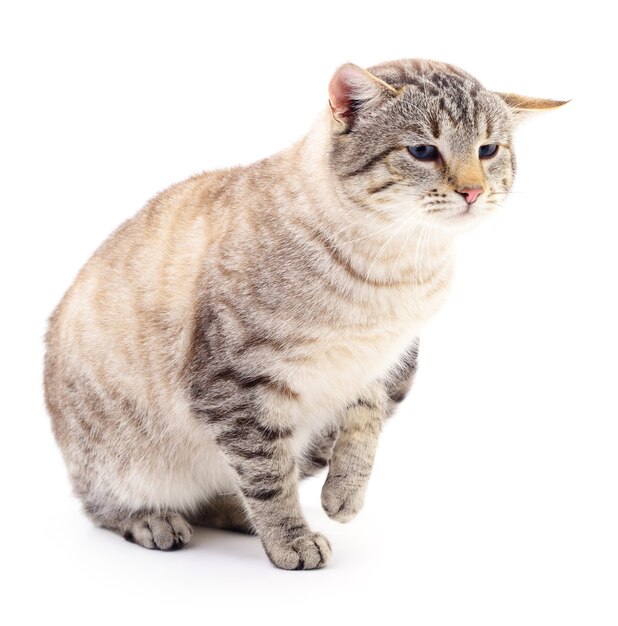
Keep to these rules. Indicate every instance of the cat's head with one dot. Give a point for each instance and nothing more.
(423, 138)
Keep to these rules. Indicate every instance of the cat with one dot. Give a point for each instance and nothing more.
(252, 326)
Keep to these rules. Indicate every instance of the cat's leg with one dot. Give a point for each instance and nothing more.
(225, 512)
(154, 530)
(228, 511)
(263, 458)
(254, 432)
(343, 492)
(352, 459)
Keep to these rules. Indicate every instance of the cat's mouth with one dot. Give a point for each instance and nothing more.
(467, 210)
(452, 212)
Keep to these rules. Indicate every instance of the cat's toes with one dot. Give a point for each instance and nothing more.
(310, 551)
(160, 532)
(340, 500)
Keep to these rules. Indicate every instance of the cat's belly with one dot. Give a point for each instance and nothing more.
(180, 473)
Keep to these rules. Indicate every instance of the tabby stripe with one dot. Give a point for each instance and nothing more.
(295, 528)
(258, 342)
(220, 413)
(363, 402)
(397, 396)
(236, 448)
(382, 187)
(402, 76)
(247, 381)
(373, 161)
(446, 109)
(327, 280)
(259, 479)
(250, 425)
(262, 494)
(318, 461)
(339, 259)
(435, 127)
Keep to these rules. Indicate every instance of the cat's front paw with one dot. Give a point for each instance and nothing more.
(341, 499)
(310, 551)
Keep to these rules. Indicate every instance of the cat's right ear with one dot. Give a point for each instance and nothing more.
(352, 89)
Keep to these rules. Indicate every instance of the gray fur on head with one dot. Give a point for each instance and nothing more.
(380, 112)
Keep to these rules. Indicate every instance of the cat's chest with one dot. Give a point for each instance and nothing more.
(364, 344)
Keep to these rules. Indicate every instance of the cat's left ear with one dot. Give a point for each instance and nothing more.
(522, 106)
(352, 90)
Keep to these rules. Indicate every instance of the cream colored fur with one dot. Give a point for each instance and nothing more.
(298, 285)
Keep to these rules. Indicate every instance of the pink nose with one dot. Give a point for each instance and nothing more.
(470, 194)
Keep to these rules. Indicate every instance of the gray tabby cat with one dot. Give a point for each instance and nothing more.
(251, 326)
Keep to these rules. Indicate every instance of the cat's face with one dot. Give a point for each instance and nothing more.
(424, 141)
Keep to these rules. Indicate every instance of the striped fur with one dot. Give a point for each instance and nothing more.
(251, 326)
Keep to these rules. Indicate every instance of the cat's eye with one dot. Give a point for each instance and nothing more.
(488, 150)
(424, 152)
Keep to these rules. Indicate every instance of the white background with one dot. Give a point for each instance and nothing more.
(494, 498)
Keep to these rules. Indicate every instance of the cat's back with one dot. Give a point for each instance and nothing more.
(116, 347)
(128, 316)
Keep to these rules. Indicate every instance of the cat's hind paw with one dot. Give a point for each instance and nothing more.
(159, 532)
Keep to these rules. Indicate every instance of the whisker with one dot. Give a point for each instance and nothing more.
(363, 218)
(418, 247)
(403, 246)
(368, 272)
(424, 247)
(371, 234)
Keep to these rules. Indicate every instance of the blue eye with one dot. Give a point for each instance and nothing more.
(488, 150)
(424, 153)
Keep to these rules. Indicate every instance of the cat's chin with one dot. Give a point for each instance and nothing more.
(460, 222)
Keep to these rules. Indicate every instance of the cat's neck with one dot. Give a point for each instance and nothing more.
(379, 245)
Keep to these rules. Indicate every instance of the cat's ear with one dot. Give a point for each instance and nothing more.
(522, 106)
(352, 89)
